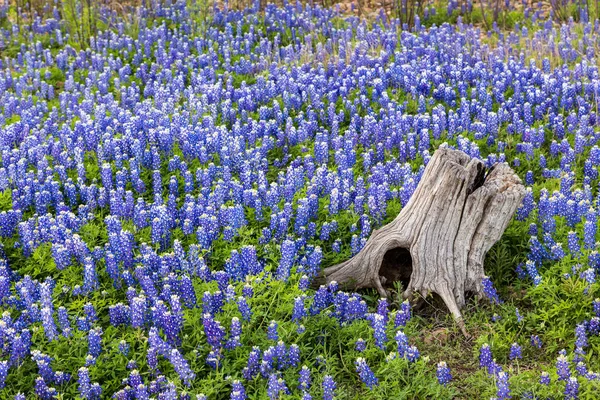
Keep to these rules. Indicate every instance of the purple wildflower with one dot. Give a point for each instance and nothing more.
(490, 291)
(515, 352)
(365, 373)
(572, 388)
(304, 378)
(329, 387)
(443, 373)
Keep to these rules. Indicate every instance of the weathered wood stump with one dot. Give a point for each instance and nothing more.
(439, 239)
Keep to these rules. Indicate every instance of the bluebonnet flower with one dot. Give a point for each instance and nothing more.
(269, 361)
(304, 379)
(135, 378)
(3, 373)
(336, 246)
(299, 311)
(562, 352)
(581, 369)
(589, 235)
(213, 358)
(280, 354)
(562, 368)
(182, 367)
(572, 388)
(95, 342)
(536, 255)
(61, 378)
(244, 308)
(170, 393)
(141, 392)
(355, 245)
(87, 389)
(545, 378)
(321, 300)
(119, 314)
(581, 340)
(249, 258)
(589, 275)
(557, 251)
(42, 390)
(533, 229)
(443, 373)
(247, 291)
(138, 311)
(288, 252)
(48, 324)
(502, 385)
(212, 303)
(533, 273)
(573, 242)
(403, 315)
(536, 341)
(313, 262)
(365, 373)
(382, 309)
(527, 206)
(360, 345)
(378, 325)
(276, 386)
(594, 326)
(515, 352)
(529, 178)
(188, 294)
(83, 324)
(234, 334)
(490, 291)
(213, 330)
(303, 283)
(329, 387)
(43, 363)
(485, 357)
(412, 354)
(519, 316)
(252, 366)
(294, 355)
(349, 307)
(272, 331)
(237, 391)
(402, 343)
(90, 278)
(90, 360)
(222, 279)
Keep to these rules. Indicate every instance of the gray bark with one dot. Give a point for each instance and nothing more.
(455, 215)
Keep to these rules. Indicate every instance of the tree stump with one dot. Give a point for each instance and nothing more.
(439, 239)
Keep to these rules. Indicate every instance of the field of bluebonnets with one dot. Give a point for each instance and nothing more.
(169, 191)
